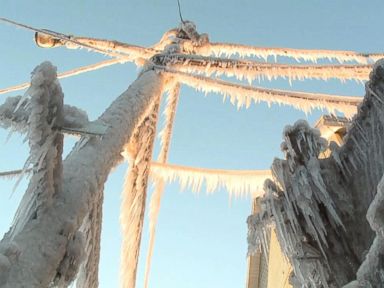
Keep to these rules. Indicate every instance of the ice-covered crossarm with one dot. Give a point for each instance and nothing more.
(243, 95)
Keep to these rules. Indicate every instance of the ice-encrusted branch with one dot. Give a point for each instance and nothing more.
(243, 95)
(252, 70)
(134, 196)
(228, 49)
(85, 171)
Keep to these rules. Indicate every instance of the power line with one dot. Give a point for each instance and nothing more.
(181, 17)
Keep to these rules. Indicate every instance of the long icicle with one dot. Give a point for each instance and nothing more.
(134, 196)
(243, 95)
(228, 49)
(154, 206)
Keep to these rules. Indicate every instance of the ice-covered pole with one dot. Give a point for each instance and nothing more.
(38, 251)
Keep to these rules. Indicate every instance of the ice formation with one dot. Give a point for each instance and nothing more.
(165, 141)
(242, 95)
(75, 121)
(238, 183)
(134, 196)
(318, 206)
(228, 49)
(252, 70)
(46, 143)
(77, 206)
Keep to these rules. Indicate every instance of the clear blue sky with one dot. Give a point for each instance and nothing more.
(201, 240)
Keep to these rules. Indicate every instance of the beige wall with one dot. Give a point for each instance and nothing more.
(278, 267)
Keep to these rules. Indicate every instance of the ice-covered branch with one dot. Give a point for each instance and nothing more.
(85, 171)
(238, 183)
(251, 70)
(242, 95)
(134, 196)
(227, 50)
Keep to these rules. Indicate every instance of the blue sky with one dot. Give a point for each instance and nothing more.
(201, 240)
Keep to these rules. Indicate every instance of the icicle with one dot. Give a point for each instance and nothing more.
(14, 173)
(165, 140)
(251, 70)
(91, 229)
(134, 196)
(239, 95)
(238, 183)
